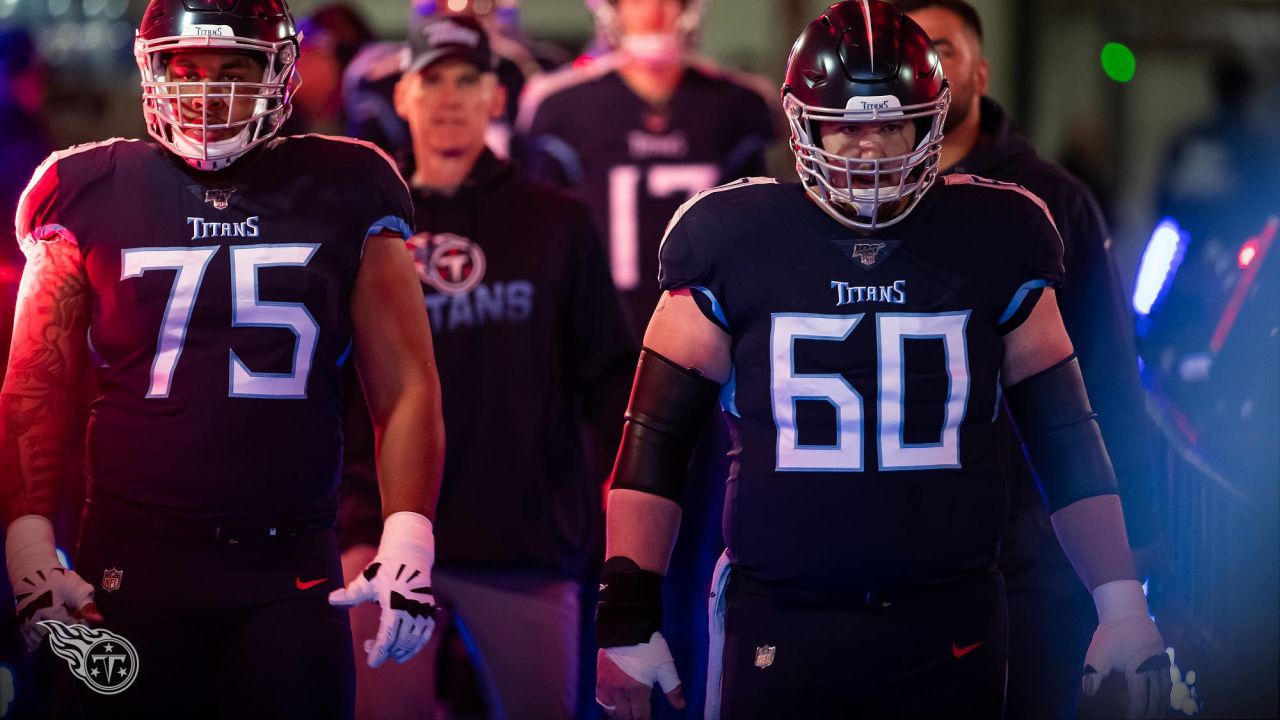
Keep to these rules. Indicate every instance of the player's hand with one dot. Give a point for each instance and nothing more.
(1127, 641)
(399, 581)
(625, 676)
(42, 588)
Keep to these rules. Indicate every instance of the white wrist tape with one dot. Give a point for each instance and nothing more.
(29, 546)
(408, 536)
(1119, 599)
(647, 663)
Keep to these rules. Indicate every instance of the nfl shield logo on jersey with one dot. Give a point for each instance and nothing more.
(765, 655)
(220, 198)
(868, 253)
(111, 579)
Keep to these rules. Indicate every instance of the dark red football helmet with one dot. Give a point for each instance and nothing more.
(261, 28)
(863, 61)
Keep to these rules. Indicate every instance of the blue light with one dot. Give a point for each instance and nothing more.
(1146, 588)
(1159, 262)
(62, 559)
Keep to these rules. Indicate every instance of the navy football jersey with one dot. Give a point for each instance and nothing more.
(220, 312)
(866, 375)
(634, 163)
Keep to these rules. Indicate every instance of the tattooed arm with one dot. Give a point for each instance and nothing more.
(46, 358)
(36, 408)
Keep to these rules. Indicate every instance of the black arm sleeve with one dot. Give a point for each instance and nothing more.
(1060, 432)
(665, 417)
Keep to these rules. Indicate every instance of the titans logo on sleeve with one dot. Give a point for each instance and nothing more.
(220, 312)
(865, 375)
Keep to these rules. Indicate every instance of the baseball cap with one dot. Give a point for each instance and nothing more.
(433, 38)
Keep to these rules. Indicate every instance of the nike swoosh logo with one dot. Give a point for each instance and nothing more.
(312, 583)
(962, 651)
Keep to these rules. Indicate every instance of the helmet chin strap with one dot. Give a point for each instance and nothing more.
(864, 200)
(653, 48)
(210, 156)
(863, 203)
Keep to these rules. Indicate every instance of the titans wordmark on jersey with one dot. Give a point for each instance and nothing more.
(220, 312)
(634, 163)
(865, 374)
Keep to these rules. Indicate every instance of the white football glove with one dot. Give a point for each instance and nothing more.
(1127, 641)
(42, 588)
(399, 581)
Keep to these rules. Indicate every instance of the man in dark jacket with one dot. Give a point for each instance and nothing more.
(536, 360)
(1045, 656)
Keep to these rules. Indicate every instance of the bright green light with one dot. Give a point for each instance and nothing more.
(1118, 62)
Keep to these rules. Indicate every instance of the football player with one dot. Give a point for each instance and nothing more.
(859, 330)
(663, 126)
(218, 278)
(1045, 658)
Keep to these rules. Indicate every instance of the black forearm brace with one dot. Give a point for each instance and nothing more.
(665, 417)
(1061, 434)
(630, 608)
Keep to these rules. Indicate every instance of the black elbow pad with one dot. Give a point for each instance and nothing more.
(1061, 434)
(665, 417)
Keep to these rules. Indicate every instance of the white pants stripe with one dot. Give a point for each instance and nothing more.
(715, 623)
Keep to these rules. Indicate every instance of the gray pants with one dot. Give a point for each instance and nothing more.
(521, 627)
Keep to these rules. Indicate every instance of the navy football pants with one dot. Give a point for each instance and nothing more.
(222, 630)
(939, 653)
(1051, 622)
